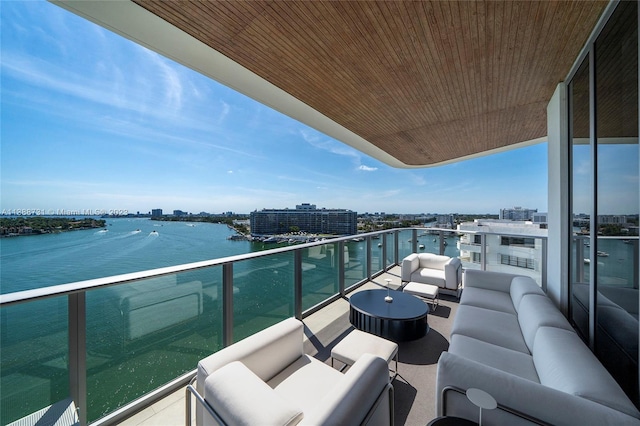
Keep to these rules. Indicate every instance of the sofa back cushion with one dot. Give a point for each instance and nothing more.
(433, 261)
(266, 353)
(564, 362)
(521, 286)
(535, 311)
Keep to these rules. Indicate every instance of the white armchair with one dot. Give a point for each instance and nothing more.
(434, 269)
(268, 379)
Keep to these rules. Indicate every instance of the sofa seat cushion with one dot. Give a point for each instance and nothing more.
(537, 311)
(507, 360)
(429, 276)
(565, 363)
(308, 374)
(498, 328)
(488, 299)
(233, 388)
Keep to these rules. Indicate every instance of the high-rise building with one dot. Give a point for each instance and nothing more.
(305, 217)
(156, 212)
(517, 213)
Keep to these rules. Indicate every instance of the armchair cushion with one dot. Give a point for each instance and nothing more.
(231, 388)
(309, 374)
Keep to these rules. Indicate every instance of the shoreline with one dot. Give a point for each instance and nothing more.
(39, 225)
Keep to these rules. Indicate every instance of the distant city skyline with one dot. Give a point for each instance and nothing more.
(92, 121)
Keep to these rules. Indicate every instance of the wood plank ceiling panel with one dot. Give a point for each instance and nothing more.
(425, 81)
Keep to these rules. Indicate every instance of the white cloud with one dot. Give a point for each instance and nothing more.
(367, 168)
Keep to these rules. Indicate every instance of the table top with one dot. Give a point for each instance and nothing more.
(404, 305)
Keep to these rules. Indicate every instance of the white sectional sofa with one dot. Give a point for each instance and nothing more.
(267, 378)
(428, 268)
(510, 340)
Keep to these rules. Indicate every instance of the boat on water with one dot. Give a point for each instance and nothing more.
(421, 246)
(602, 254)
(154, 232)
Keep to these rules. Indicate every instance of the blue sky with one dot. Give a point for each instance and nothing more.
(92, 121)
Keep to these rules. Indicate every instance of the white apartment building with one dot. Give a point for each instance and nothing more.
(511, 246)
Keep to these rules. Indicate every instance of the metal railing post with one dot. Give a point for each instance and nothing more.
(78, 353)
(384, 251)
(414, 241)
(483, 252)
(368, 246)
(543, 270)
(441, 247)
(297, 283)
(340, 260)
(396, 239)
(227, 304)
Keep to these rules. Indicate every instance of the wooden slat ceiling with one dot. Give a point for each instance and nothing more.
(425, 81)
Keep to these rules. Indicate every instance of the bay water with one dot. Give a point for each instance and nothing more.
(33, 336)
(124, 245)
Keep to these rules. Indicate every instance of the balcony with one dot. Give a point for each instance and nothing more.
(123, 348)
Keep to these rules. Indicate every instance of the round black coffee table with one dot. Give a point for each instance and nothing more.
(405, 318)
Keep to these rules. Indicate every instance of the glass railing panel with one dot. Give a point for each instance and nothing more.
(355, 261)
(34, 369)
(405, 243)
(144, 334)
(470, 250)
(451, 244)
(376, 254)
(390, 246)
(431, 241)
(521, 256)
(263, 293)
(320, 274)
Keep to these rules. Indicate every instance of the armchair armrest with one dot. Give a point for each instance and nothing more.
(452, 273)
(364, 394)
(409, 265)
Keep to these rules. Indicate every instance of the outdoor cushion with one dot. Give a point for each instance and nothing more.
(230, 389)
(488, 299)
(521, 286)
(565, 363)
(537, 311)
(309, 374)
(498, 328)
(504, 359)
(431, 276)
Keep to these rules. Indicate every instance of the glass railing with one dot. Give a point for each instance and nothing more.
(510, 253)
(117, 343)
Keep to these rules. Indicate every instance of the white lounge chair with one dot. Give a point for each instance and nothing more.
(267, 379)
